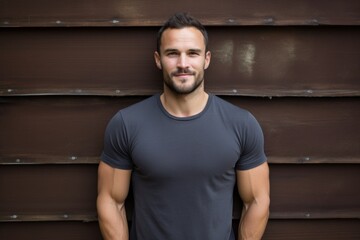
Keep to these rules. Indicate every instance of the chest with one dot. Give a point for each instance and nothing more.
(185, 149)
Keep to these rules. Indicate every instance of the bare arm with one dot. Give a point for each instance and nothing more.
(113, 188)
(254, 190)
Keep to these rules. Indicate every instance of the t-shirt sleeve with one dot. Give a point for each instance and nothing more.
(252, 147)
(116, 144)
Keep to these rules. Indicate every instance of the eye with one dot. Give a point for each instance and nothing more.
(194, 53)
(172, 54)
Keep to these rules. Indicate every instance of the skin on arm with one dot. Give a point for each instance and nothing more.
(254, 189)
(113, 188)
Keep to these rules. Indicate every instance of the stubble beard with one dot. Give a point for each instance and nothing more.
(179, 89)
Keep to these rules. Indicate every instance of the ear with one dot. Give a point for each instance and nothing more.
(207, 59)
(157, 60)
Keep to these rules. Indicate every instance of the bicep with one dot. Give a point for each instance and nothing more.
(253, 183)
(113, 182)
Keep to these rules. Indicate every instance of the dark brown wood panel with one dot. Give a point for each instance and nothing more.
(68, 192)
(142, 12)
(50, 230)
(312, 229)
(255, 61)
(70, 129)
(315, 191)
(58, 191)
(55, 129)
(276, 230)
(307, 130)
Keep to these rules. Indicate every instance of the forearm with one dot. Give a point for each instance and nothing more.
(253, 220)
(112, 219)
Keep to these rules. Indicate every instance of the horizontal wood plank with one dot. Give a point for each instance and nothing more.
(316, 190)
(68, 192)
(58, 230)
(41, 217)
(246, 61)
(276, 230)
(141, 12)
(36, 159)
(309, 129)
(48, 190)
(52, 130)
(312, 229)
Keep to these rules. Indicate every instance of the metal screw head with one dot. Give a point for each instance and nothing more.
(269, 20)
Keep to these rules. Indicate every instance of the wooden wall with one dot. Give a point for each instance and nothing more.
(67, 66)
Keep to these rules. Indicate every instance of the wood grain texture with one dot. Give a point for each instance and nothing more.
(68, 192)
(153, 13)
(276, 230)
(68, 230)
(67, 130)
(250, 61)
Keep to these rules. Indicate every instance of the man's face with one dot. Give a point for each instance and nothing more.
(182, 59)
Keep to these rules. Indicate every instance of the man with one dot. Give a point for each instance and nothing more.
(183, 151)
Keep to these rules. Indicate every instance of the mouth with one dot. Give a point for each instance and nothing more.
(183, 74)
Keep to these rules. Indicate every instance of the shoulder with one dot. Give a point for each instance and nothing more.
(134, 112)
(137, 110)
(242, 121)
(141, 107)
(227, 109)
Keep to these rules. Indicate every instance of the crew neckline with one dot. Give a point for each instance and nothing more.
(184, 118)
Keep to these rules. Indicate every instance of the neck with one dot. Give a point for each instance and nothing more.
(184, 105)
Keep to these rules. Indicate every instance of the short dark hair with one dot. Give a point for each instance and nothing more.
(181, 20)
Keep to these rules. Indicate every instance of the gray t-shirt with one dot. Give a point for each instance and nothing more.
(183, 168)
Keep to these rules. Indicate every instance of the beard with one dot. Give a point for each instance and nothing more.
(183, 88)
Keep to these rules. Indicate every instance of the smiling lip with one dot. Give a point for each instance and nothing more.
(182, 74)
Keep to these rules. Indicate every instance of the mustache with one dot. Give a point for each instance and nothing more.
(182, 71)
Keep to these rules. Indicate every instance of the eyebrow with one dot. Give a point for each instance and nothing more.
(170, 50)
(176, 50)
(195, 50)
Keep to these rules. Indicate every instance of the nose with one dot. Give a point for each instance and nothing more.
(182, 61)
